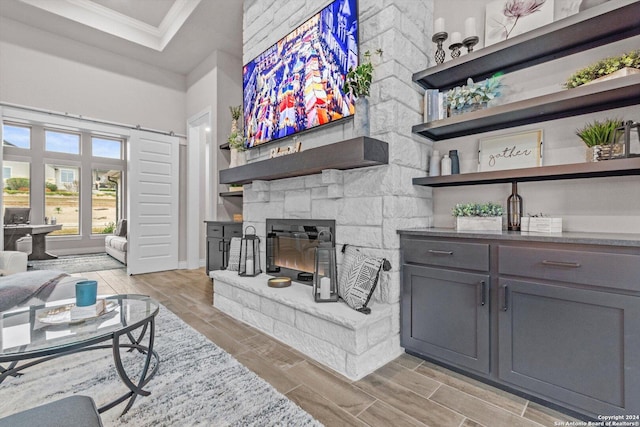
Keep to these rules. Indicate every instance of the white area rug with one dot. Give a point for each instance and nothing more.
(78, 263)
(197, 383)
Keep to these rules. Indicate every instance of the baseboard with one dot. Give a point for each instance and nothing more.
(79, 251)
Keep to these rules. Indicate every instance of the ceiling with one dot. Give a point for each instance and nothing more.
(175, 35)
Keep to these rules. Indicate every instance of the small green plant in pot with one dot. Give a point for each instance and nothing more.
(478, 216)
(604, 67)
(357, 84)
(473, 96)
(236, 112)
(601, 139)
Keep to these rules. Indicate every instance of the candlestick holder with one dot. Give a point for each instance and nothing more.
(439, 38)
(455, 49)
(470, 42)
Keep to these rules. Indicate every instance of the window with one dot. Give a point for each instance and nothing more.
(109, 148)
(60, 142)
(16, 136)
(62, 197)
(67, 176)
(17, 184)
(106, 200)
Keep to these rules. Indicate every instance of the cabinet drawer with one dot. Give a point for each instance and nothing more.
(214, 230)
(471, 256)
(232, 230)
(605, 269)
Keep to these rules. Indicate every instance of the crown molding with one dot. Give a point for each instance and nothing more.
(101, 18)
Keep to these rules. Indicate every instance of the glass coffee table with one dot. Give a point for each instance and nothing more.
(36, 334)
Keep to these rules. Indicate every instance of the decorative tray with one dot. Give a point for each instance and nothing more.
(61, 315)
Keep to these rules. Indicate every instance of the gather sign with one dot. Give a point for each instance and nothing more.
(284, 151)
(514, 151)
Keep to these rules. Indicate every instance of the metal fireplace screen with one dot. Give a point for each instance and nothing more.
(291, 246)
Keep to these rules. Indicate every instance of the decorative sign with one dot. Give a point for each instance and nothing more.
(284, 151)
(513, 151)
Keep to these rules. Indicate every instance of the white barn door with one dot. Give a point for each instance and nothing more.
(153, 203)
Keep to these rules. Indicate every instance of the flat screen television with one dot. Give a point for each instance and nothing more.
(296, 84)
(15, 215)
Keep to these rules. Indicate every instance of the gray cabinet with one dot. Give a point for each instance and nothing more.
(219, 236)
(447, 315)
(577, 346)
(445, 301)
(556, 321)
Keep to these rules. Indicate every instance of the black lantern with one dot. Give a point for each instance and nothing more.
(249, 254)
(631, 149)
(325, 277)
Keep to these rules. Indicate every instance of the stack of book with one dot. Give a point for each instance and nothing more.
(89, 311)
(434, 108)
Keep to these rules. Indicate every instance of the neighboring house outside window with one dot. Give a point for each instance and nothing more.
(66, 176)
(6, 172)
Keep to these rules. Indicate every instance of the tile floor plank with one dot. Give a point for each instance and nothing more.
(379, 414)
(322, 409)
(419, 384)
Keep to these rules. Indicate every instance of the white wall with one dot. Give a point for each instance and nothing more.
(602, 204)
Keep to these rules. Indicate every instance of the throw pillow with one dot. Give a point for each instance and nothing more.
(358, 278)
(234, 254)
(121, 228)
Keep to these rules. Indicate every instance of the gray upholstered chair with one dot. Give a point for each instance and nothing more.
(70, 411)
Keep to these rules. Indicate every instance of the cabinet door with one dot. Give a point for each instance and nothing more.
(579, 347)
(215, 258)
(445, 315)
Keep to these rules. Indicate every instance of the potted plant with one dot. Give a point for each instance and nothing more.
(601, 139)
(357, 83)
(236, 112)
(605, 69)
(473, 96)
(478, 216)
(237, 147)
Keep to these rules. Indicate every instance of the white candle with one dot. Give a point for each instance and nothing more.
(439, 26)
(456, 37)
(249, 266)
(470, 27)
(325, 288)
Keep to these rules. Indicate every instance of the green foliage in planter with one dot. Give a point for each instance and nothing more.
(604, 67)
(236, 112)
(599, 133)
(236, 140)
(109, 228)
(358, 80)
(474, 93)
(477, 209)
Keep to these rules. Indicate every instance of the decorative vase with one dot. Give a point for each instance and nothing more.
(361, 120)
(598, 153)
(242, 158)
(233, 162)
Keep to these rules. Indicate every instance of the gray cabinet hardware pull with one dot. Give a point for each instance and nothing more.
(561, 264)
(483, 290)
(432, 251)
(505, 290)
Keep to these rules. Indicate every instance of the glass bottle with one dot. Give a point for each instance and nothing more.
(514, 208)
(434, 164)
(445, 165)
(455, 162)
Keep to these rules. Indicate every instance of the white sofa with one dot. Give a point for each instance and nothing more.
(12, 262)
(116, 244)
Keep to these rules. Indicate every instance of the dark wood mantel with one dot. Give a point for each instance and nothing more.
(349, 154)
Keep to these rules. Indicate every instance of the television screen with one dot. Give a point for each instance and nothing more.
(296, 84)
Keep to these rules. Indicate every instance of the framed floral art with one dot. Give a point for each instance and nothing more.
(506, 19)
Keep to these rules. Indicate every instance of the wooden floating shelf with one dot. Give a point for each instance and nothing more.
(349, 154)
(232, 194)
(616, 167)
(600, 25)
(584, 99)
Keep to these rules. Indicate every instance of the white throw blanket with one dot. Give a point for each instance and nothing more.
(19, 288)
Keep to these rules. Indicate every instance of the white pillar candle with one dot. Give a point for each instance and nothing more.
(470, 27)
(456, 37)
(249, 266)
(325, 288)
(438, 26)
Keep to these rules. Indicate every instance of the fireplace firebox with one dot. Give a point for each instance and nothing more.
(291, 246)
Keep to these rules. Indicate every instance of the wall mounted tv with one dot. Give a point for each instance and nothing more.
(296, 84)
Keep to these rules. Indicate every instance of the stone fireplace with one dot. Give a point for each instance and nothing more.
(368, 205)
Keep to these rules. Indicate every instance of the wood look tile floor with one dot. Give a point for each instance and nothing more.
(406, 392)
